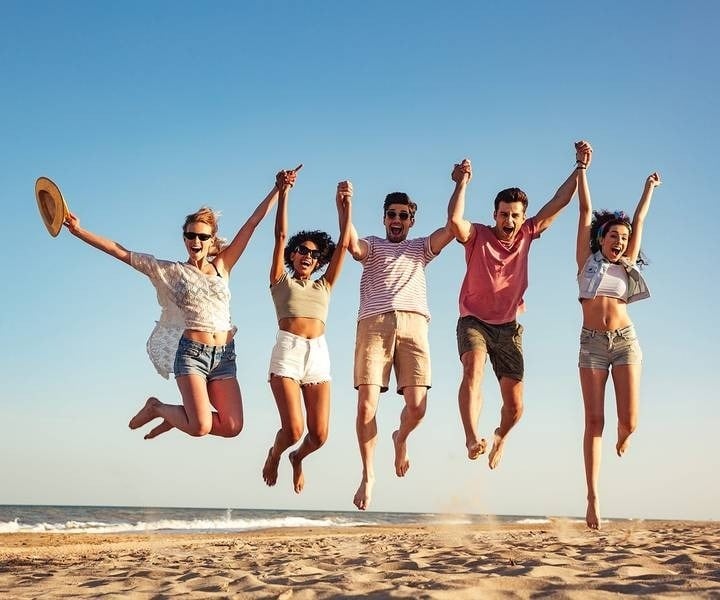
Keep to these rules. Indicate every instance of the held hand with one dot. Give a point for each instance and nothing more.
(653, 180)
(286, 179)
(72, 223)
(462, 172)
(583, 153)
(344, 193)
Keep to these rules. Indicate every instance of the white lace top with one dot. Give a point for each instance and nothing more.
(189, 299)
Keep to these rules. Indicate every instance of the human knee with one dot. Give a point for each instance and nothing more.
(293, 433)
(200, 428)
(594, 424)
(233, 428)
(416, 411)
(318, 437)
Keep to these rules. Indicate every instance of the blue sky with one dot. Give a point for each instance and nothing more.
(142, 112)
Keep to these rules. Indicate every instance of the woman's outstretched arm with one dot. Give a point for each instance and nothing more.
(96, 241)
(638, 222)
(582, 251)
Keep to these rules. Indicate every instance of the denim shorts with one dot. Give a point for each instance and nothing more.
(210, 362)
(302, 359)
(600, 349)
(502, 343)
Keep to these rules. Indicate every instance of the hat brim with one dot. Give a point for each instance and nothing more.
(52, 206)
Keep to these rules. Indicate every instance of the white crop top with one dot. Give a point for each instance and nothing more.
(189, 299)
(614, 283)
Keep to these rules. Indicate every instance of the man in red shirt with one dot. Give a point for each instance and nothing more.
(491, 297)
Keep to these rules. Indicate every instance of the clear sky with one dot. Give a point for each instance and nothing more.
(143, 111)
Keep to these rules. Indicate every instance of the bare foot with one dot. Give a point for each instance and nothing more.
(156, 431)
(623, 443)
(270, 468)
(402, 463)
(476, 449)
(145, 414)
(496, 451)
(298, 477)
(592, 516)
(364, 493)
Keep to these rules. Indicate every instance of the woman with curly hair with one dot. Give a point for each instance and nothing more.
(194, 337)
(608, 253)
(300, 362)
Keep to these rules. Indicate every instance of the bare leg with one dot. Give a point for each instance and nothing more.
(158, 430)
(626, 379)
(226, 398)
(194, 417)
(317, 408)
(366, 429)
(287, 399)
(592, 382)
(510, 413)
(410, 417)
(470, 400)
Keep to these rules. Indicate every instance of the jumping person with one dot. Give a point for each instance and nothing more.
(491, 298)
(608, 252)
(194, 337)
(300, 361)
(392, 330)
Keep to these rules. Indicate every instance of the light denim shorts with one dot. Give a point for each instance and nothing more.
(301, 359)
(210, 362)
(600, 349)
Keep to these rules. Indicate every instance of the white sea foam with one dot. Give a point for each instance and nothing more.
(535, 521)
(221, 524)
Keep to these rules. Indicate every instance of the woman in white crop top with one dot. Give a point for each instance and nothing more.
(608, 248)
(299, 370)
(194, 336)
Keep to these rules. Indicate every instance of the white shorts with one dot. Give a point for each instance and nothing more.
(306, 361)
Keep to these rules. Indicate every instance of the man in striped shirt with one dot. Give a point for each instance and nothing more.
(392, 330)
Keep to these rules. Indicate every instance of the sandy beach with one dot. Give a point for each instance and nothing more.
(657, 559)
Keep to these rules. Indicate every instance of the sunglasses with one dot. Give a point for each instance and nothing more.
(304, 250)
(404, 216)
(191, 235)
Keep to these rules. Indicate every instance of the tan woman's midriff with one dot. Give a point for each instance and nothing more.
(604, 314)
(209, 338)
(302, 327)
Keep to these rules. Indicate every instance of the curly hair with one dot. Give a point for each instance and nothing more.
(602, 220)
(321, 239)
(208, 216)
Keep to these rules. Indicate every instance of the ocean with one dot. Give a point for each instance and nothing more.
(136, 519)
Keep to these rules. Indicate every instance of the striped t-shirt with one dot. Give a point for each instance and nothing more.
(393, 276)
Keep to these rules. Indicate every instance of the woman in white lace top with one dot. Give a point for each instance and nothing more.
(194, 337)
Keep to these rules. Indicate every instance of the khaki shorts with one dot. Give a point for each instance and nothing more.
(600, 349)
(396, 339)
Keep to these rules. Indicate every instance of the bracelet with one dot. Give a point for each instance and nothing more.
(580, 167)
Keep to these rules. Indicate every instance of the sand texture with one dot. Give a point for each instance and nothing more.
(655, 559)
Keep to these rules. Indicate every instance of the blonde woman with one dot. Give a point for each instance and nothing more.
(194, 337)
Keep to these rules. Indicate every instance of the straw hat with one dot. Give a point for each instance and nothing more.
(51, 203)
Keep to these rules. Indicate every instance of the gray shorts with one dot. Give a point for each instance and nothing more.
(600, 349)
(502, 343)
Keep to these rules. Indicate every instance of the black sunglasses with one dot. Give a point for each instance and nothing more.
(191, 235)
(404, 216)
(304, 250)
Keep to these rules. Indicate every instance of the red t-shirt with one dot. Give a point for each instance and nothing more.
(497, 274)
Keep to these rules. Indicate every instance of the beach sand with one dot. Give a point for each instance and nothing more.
(560, 559)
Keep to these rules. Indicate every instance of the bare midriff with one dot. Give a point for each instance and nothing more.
(302, 327)
(605, 314)
(209, 338)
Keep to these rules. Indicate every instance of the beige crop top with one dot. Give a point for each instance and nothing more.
(301, 297)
